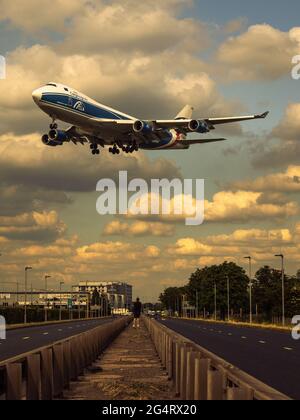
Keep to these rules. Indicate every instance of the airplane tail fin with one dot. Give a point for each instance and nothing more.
(185, 113)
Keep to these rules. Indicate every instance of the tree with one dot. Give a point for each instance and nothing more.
(267, 293)
(202, 286)
(172, 298)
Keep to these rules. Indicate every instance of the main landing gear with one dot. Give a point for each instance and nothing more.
(114, 150)
(94, 149)
(130, 148)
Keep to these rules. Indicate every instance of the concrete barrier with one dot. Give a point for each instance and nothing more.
(45, 373)
(198, 374)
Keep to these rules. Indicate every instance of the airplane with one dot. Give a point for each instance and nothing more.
(99, 125)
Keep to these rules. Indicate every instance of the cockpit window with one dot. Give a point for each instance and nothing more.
(51, 84)
(66, 89)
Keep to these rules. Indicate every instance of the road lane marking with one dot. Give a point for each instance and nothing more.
(60, 330)
(288, 348)
(25, 338)
(229, 334)
(45, 333)
(262, 342)
(244, 338)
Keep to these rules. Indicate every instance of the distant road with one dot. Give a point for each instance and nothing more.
(22, 340)
(270, 356)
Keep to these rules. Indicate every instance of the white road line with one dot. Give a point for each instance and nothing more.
(60, 330)
(229, 334)
(288, 348)
(45, 333)
(262, 342)
(244, 338)
(25, 338)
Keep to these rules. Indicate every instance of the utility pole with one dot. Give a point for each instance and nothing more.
(282, 287)
(250, 286)
(25, 303)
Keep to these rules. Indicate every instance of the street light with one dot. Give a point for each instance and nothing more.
(250, 286)
(60, 284)
(25, 309)
(228, 298)
(46, 289)
(283, 291)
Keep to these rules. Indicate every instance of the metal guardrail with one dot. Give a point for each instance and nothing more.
(198, 374)
(44, 373)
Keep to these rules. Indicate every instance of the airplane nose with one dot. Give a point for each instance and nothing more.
(37, 95)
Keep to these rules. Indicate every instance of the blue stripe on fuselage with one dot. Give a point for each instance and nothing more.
(90, 110)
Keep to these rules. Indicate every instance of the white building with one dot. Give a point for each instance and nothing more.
(118, 294)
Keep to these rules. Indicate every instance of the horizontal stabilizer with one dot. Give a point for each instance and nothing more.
(202, 141)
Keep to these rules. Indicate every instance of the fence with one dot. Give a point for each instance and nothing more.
(43, 374)
(198, 374)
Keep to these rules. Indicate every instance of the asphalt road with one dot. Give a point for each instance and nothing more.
(270, 356)
(22, 340)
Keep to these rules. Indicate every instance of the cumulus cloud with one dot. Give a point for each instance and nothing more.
(138, 228)
(288, 134)
(23, 14)
(244, 206)
(35, 227)
(25, 160)
(261, 53)
(288, 181)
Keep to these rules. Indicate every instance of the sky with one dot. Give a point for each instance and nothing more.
(149, 59)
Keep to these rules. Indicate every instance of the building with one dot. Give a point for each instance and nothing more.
(119, 294)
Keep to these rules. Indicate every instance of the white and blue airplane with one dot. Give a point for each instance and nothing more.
(100, 126)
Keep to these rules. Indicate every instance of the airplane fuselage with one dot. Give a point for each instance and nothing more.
(65, 104)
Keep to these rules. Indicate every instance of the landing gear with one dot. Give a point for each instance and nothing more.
(114, 150)
(130, 148)
(94, 149)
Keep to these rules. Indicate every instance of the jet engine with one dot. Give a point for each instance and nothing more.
(198, 126)
(48, 142)
(58, 136)
(142, 127)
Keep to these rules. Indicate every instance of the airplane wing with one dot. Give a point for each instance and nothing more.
(183, 124)
(179, 124)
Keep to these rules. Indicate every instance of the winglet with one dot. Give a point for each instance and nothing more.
(264, 115)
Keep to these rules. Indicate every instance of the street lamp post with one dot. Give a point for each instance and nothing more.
(46, 299)
(228, 299)
(282, 287)
(60, 284)
(250, 287)
(25, 303)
